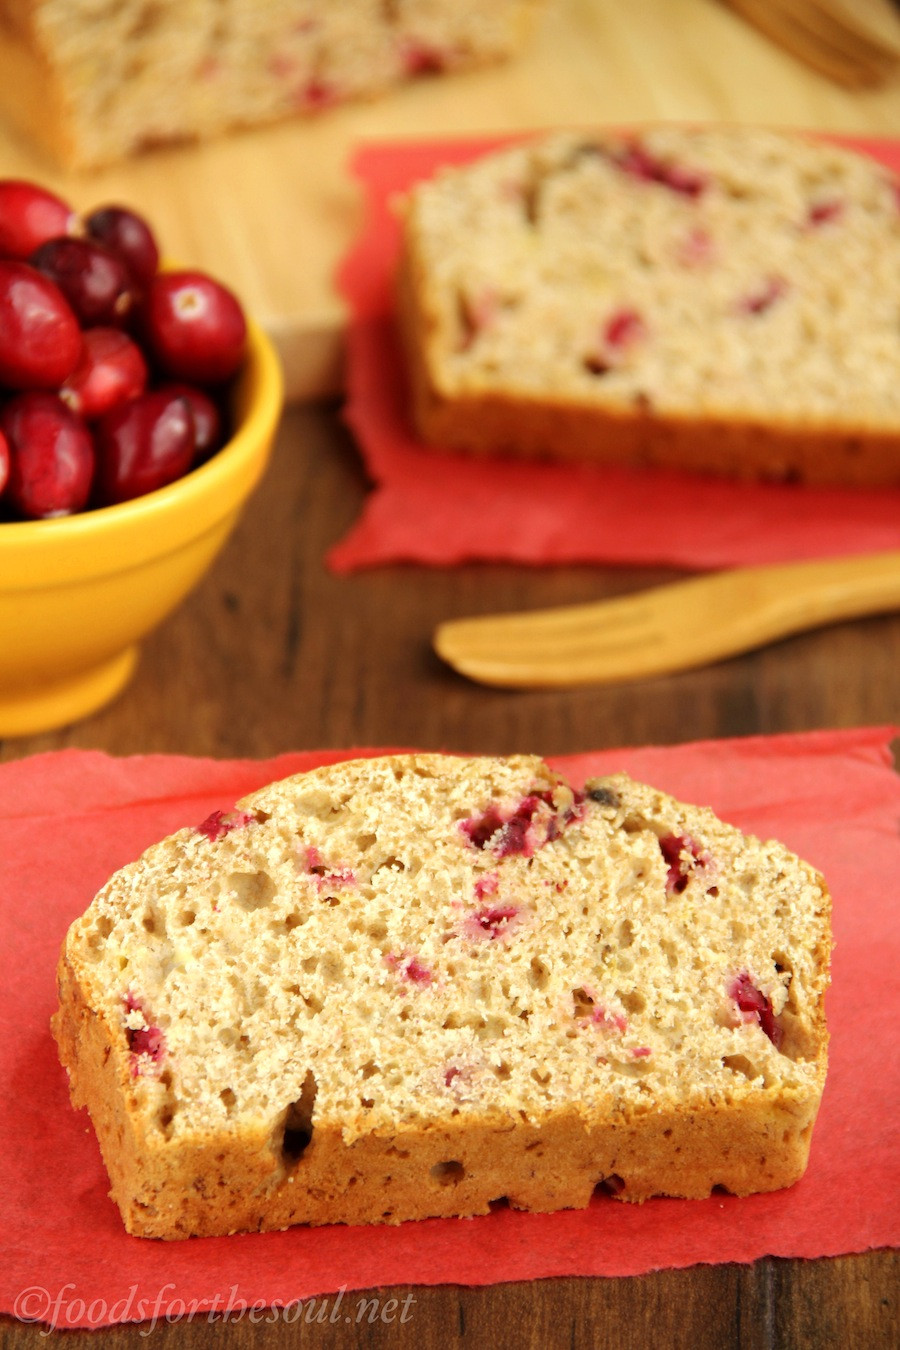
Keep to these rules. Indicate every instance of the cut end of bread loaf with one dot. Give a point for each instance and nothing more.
(718, 299)
(412, 986)
(96, 83)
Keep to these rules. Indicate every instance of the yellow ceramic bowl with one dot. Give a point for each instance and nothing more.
(78, 593)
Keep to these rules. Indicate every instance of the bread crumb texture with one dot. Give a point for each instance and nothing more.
(416, 985)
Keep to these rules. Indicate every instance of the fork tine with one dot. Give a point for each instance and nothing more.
(568, 645)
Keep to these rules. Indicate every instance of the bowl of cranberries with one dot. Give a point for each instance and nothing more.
(138, 405)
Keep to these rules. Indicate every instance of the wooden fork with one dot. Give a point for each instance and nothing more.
(856, 46)
(669, 628)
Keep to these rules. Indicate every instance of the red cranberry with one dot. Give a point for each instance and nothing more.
(820, 213)
(110, 371)
(94, 281)
(416, 972)
(673, 848)
(40, 340)
(143, 445)
(146, 1040)
(623, 328)
(313, 858)
(487, 885)
(327, 875)
(4, 462)
(514, 832)
(492, 920)
(477, 314)
(696, 247)
(600, 1017)
(208, 429)
(480, 830)
(410, 967)
(128, 236)
(421, 58)
(29, 215)
(219, 823)
(316, 94)
(52, 460)
(686, 181)
(195, 327)
(640, 163)
(772, 289)
(517, 834)
(753, 1001)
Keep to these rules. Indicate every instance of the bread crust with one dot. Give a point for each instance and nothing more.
(31, 96)
(227, 1183)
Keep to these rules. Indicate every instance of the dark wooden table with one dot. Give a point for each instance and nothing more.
(273, 653)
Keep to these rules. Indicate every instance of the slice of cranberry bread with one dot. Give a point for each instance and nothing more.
(410, 986)
(95, 82)
(716, 299)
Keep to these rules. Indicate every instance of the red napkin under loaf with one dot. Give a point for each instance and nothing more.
(444, 509)
(70, 818)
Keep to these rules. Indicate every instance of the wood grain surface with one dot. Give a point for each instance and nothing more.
(272, 211)
(273, 653)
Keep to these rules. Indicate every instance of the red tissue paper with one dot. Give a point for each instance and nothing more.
(70, 818)
(444, 509)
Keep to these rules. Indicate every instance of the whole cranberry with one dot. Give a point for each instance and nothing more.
(208, 423)
(110, 371)
(195, 327)
(52, 456)
(143, 445)
(94, 280)
(128, 236)
(29, 215)
(4, 462)
(40, 340)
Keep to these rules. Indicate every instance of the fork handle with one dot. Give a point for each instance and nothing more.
(753, 606)
(806, 594)
(673, 627)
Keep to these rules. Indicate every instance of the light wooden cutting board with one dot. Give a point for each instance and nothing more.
(271, 211)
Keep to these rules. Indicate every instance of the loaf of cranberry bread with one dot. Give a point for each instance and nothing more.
(411, 986)
(95, 82)
(718, 299)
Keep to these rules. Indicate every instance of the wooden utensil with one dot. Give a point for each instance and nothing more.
(669, 628)
(856, 45)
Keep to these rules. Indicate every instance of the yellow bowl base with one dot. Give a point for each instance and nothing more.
(50, 706)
